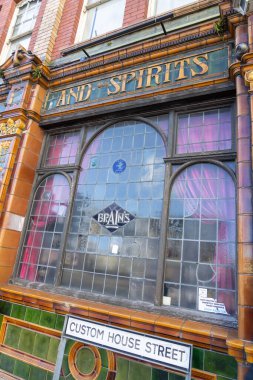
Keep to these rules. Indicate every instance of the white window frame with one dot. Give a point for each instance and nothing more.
(10, 38)
(83, 19)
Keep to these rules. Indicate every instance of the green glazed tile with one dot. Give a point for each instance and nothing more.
(139, 371)
(52, 350)
(37, 374)
(21, 369)
(32, 315)
(198, 358)
(48, 319)
(85, 360)
(158, 374)
(65, 366)
(104, 357)
(69, 344)
(7, 363)
(41, 345)
(220, 364)
(59, 322)
(5, 308)
(18, 311)
(122, 369)
(70, 377)
(103, 374)
(26, 341)
(50, 376)
(174, 376)
(12, 336)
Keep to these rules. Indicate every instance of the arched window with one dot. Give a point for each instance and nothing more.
(112, 247)
(200, 257)
(40, 252)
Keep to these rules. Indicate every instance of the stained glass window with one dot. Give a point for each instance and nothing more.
(204, 131)
(200, 258)
(123, 174)
(40, 253)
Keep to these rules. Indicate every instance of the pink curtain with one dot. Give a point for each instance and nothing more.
(209, 195)
(52, 194)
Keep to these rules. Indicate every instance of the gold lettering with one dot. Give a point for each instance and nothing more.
(73, 94)
(151, 75)
(203, 65)
(62, 99)
(167, 73)
(140, 79)
(81, 91)
(126, 78)
(181, 73)
(115, 84)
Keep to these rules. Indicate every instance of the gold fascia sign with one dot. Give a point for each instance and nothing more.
(150, 79)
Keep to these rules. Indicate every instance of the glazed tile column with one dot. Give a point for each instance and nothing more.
(48, 29)
(244, 209)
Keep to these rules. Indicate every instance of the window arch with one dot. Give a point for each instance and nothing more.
(122, 173)
(41, 248)
(200, 257)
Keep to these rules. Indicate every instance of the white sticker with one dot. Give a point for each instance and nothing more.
(210, 304)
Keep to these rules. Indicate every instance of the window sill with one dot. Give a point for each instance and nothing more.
(205, 335)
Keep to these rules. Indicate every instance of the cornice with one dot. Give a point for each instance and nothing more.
(201, 334)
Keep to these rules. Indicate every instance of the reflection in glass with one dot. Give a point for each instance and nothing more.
(122, 263)
(202, 240)
(40, 253)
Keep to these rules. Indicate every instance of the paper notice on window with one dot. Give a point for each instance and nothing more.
(210, 304)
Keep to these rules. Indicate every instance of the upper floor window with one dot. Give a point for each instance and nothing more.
(22, 25)
(100, 17)
(161, 6)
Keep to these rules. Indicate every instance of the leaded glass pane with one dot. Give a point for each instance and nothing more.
(120, 261)
(204, 131)
(200, 257)
(62, 149)
(40, 253)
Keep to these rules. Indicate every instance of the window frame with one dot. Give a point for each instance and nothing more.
(217, 158)
(84, 18)
(10, 38)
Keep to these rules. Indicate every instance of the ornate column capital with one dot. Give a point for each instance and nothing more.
(248, 78)
(12, 127)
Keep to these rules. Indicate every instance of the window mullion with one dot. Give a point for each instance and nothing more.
(66, 228)
(163, 238)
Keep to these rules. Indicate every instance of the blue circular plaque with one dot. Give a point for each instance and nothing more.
(119, 166)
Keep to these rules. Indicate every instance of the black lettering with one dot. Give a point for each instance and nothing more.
(70, 327)
(137, 344)
(174, 354)
(181, 354)
(160, 350)
(168, 352)
(148, 347)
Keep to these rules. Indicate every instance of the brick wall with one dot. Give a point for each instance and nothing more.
(6, 13)
(135, 11)
(68, 26)
(37, 24)
(48, 29)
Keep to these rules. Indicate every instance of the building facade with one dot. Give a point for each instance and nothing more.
(126, 189)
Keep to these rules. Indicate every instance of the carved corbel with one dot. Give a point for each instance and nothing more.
(248, 78)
